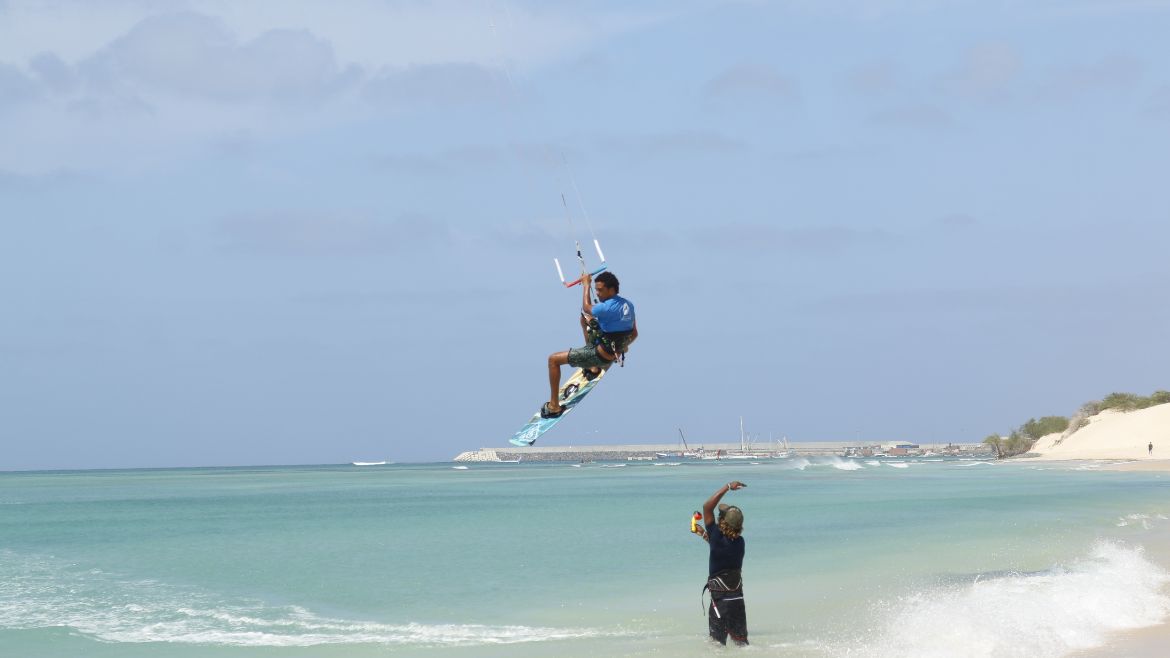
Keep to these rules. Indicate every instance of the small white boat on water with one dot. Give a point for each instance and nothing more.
(684, 452)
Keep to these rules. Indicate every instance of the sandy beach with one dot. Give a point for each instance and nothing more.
(1145, 465)
(1140, 643)
(1122, 440)
(1115, 435)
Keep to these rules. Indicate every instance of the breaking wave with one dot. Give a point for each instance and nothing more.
(42, 593)
(1041, 615)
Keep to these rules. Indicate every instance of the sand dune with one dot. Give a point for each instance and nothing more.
(1113, 435)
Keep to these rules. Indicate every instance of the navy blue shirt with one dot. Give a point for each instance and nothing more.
(725, 553)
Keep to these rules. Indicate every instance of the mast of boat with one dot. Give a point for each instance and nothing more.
(682, 436)
(741, 439)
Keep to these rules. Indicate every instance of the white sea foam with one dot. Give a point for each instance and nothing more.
(873, 462)
(844, 464)
(898, 464)
(1137, 519)
(1048, 614)
(42, 593)
(795, 463)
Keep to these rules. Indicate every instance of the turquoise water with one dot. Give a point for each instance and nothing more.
(860, 558)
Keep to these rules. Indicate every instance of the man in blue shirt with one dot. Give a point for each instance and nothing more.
(609, 328)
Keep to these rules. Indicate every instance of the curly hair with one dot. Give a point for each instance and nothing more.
(727, 531)
(610, 281)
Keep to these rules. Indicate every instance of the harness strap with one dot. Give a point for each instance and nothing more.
(728, 581)
(613, 342)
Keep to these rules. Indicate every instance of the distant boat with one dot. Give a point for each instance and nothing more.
(382, 463)
(685, 453)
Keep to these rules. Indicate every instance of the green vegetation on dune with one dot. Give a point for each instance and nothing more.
(1024, 437)
(1125, 402)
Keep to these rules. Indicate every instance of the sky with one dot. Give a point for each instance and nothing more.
(282, 232)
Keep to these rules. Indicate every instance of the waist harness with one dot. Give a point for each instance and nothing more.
(724, 584)
(616, 343)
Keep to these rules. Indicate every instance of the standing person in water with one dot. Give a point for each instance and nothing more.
(609, 327)
(727, 614)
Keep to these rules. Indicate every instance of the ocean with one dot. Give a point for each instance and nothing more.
(890, 557)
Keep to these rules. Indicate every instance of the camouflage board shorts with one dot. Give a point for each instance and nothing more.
(586, 357)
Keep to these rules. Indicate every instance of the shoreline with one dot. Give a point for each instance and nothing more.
(1147, 641)
(1105, 464)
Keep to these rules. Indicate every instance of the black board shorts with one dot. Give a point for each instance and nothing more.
(727, 616)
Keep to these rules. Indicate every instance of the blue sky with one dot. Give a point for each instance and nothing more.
(309, 232)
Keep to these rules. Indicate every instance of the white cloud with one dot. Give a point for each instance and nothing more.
(198, 56)
(542, 157)
(751, 81)
(1159, 104)
(803, 240)
(876, 79)
(956, 221)
(301, 233)
(16, 87)
(685, 143)
(53, 72)
(987, 72)
(126, 83)
(440, 84)
(1104, 75)
(368, 33)
(915, 116)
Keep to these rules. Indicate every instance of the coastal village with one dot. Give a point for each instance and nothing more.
(670, 453)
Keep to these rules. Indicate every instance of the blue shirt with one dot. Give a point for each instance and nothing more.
(725, 553)
(614, 314)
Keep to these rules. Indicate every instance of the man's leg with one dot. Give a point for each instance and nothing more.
(555, 361)
(736, 614)
(716, 627)
(588, 341)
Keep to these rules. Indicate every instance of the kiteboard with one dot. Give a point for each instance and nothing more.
(571, 393)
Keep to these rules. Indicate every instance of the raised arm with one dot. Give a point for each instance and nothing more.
(713, 501)
(587, 289)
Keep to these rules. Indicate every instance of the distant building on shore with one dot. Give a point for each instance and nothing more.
(711, 452)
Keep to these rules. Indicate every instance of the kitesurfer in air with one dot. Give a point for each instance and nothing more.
(609, 327)
(726, 614)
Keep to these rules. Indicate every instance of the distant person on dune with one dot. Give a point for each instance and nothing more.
(1151, 453)
(727, 614)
